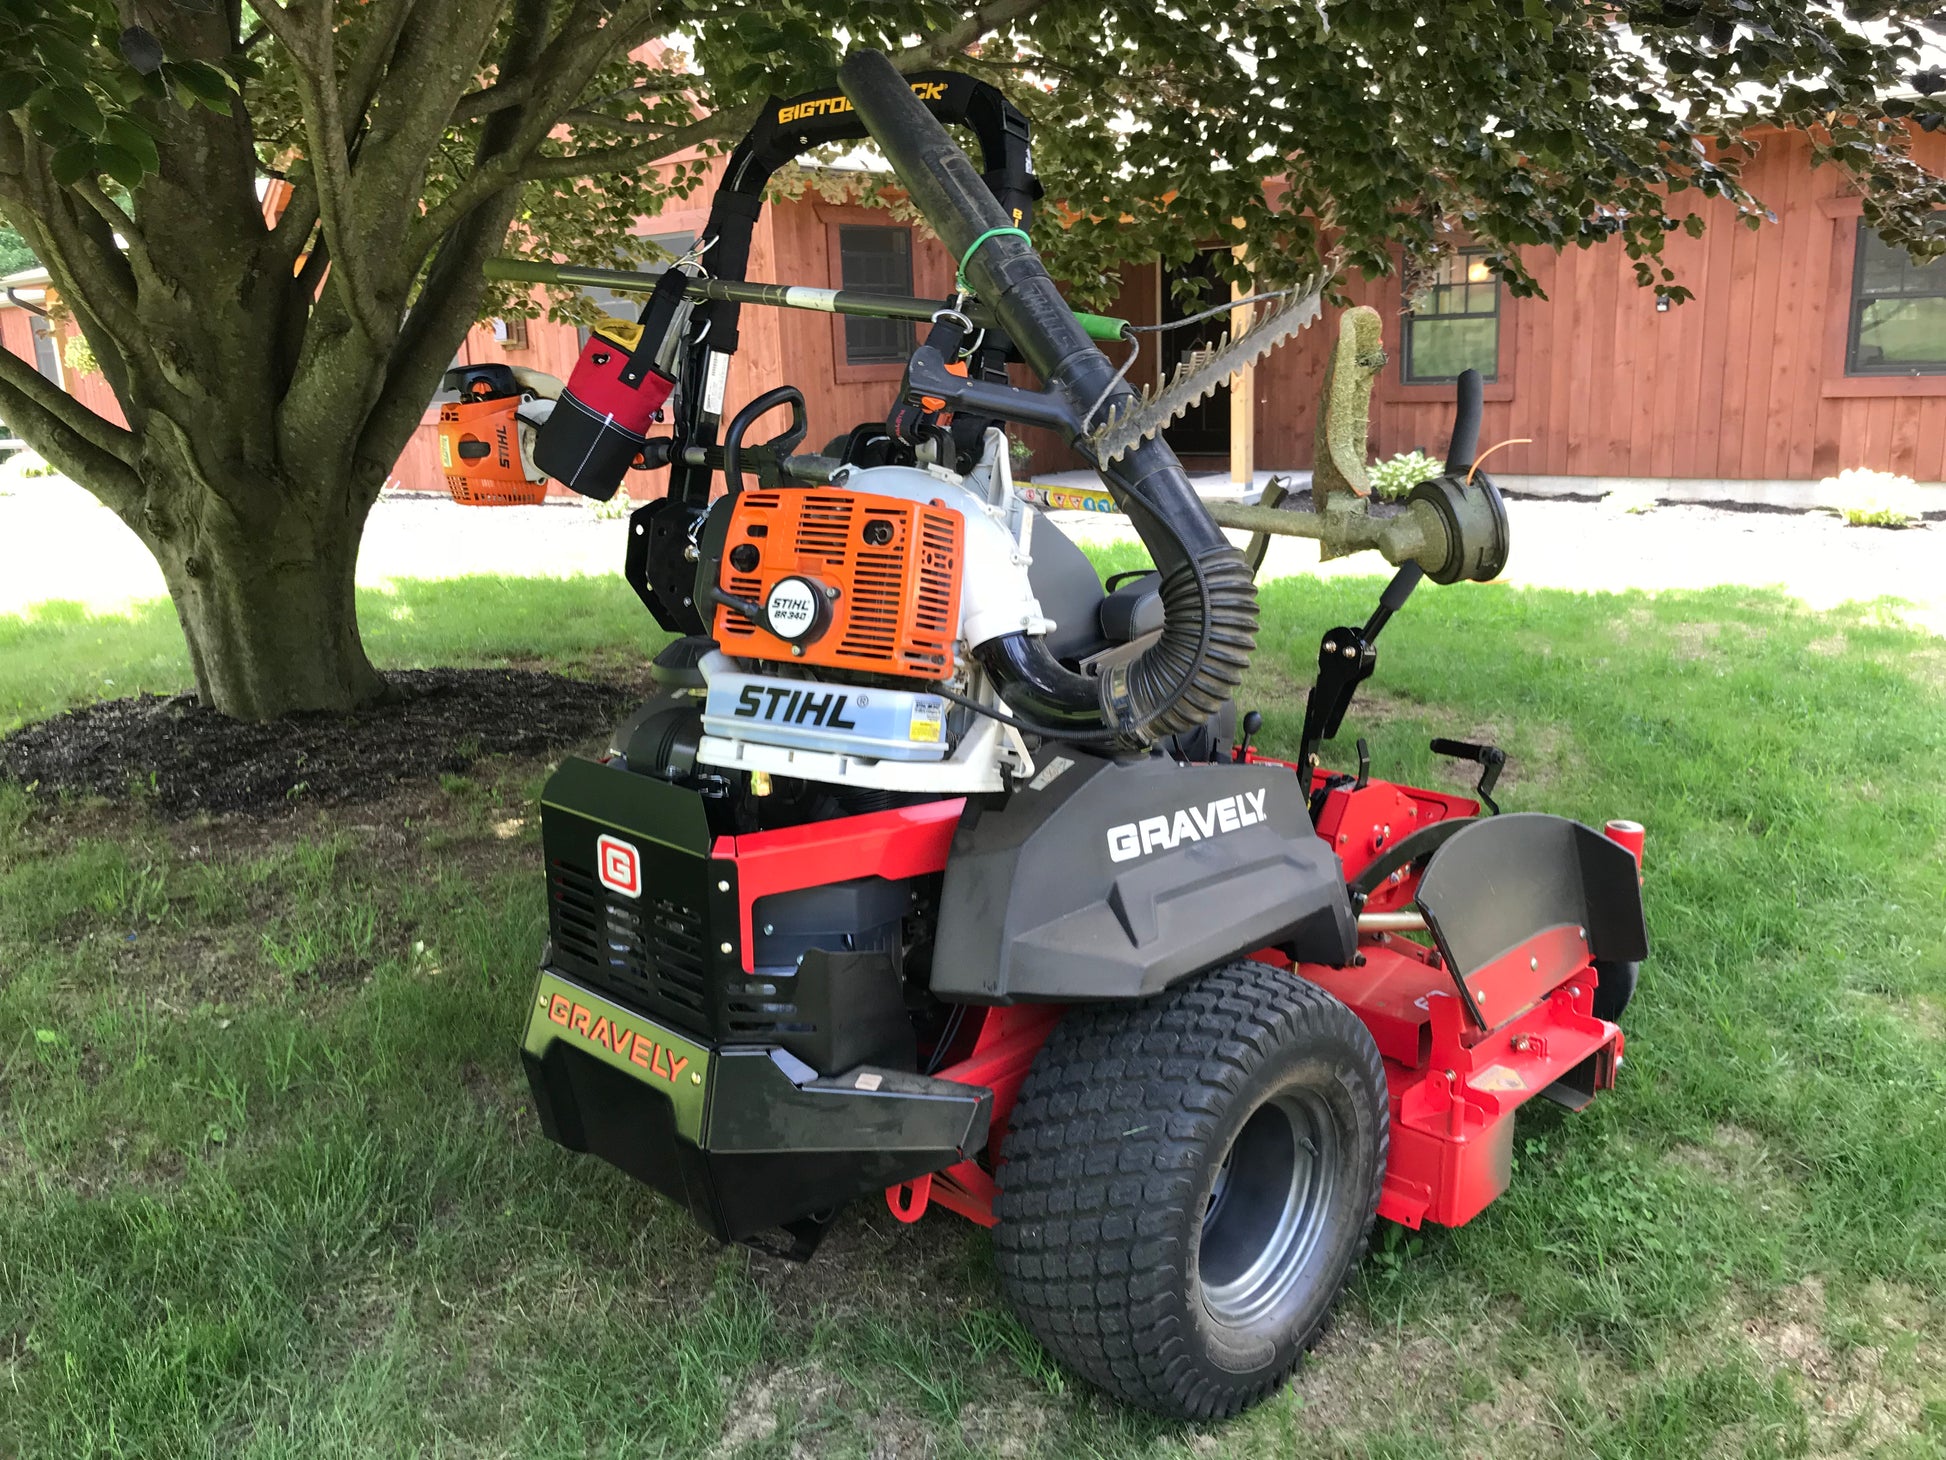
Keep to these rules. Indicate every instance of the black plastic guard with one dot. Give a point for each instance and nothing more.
(1502, 880)
(1108, 879)
(747, 1139)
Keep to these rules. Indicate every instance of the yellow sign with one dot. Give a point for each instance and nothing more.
(831, 106)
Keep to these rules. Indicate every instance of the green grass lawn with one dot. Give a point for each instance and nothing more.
(269, 1185)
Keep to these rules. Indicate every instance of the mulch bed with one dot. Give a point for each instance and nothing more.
(170, 752)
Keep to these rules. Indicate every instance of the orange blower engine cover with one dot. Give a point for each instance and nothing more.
(845, 580)
(479, 452)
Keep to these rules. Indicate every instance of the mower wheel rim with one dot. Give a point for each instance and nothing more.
(1268, 1206)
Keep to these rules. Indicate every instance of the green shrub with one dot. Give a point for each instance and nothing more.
(79, 356)
(1874, 517)
(28, 464)
(1866, 498)
(1634, 500)
(1393, 478)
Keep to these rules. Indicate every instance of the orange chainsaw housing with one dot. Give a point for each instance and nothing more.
(895, 566)
(479, 451)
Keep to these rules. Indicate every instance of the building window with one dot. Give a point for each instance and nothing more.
(629, 306)
(1898, 310)
(876, 261)
(1453, 324)
(47, 351)
(511, 333)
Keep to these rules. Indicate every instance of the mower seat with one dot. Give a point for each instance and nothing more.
(1132, 608)
(1087, 620)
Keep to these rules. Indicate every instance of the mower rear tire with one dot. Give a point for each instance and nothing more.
(1187, 1183)
(1614, 987)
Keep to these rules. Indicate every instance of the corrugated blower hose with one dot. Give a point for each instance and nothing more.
(1209, 600)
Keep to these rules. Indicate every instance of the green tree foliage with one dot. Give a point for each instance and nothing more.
(271, 374)
(15, 255)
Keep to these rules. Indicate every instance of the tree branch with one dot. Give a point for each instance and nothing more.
(77, 247)
(942, 45)
(495, 98)
(51, 421)
(446, 305)
(626, 126)
(111, 213)
(440, 52)
(317, 89)
(284, 23)
(732, 122)
(361, 81)
(108, 355)
(99, 432)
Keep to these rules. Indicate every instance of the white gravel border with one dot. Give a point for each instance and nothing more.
(57, 542)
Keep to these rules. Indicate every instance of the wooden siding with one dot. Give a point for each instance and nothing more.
(1746, 381)
(92, 390)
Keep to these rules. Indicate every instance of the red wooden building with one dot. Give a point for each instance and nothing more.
(1810, 347)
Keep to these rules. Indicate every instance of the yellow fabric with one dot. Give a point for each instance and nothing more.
(624, 332)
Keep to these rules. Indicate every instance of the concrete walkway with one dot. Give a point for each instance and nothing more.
(56, 542)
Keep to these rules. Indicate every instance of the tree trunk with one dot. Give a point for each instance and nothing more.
(269, 609)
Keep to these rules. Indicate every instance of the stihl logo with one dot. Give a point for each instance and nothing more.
(619, 865)
(1192, 824)
(798, 705)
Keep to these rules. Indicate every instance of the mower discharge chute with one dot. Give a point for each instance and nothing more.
(938, 872)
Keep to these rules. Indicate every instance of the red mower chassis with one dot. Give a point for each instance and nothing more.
(1454, 1080)
(1461, 1055)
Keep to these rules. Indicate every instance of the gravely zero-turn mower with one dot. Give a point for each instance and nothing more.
(939, 875)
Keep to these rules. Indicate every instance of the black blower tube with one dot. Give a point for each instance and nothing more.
(1464, 444)
(1209, 600)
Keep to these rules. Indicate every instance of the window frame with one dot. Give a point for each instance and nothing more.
(1409, 317)
(1857, 299)
(1841, 212)
(41, 329)
(843, 324)
(677, 242)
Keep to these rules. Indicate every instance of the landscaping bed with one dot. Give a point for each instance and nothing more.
(173, 753)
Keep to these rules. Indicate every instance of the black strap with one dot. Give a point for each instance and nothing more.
(657, 318)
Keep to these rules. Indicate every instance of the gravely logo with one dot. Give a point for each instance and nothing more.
(1192, 824)
(657, 1059)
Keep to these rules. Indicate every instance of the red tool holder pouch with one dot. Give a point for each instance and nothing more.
(601, 423)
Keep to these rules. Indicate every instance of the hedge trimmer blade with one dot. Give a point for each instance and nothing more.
(1127, 425)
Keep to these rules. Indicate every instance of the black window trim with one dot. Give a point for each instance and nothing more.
(846, 325)
(1858, 300)
(1411, 317)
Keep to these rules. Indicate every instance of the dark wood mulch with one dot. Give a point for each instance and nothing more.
(172, 753)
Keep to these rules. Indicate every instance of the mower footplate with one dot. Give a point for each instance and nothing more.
(748, 1138)
(1455, 1088)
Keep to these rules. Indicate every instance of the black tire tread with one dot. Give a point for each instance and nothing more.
(1099, 1165)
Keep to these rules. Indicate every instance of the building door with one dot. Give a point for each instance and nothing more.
(1204, 429)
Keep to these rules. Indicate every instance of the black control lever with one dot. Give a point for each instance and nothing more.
(1490, 759)
(1346, 658)
(1253, 721)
